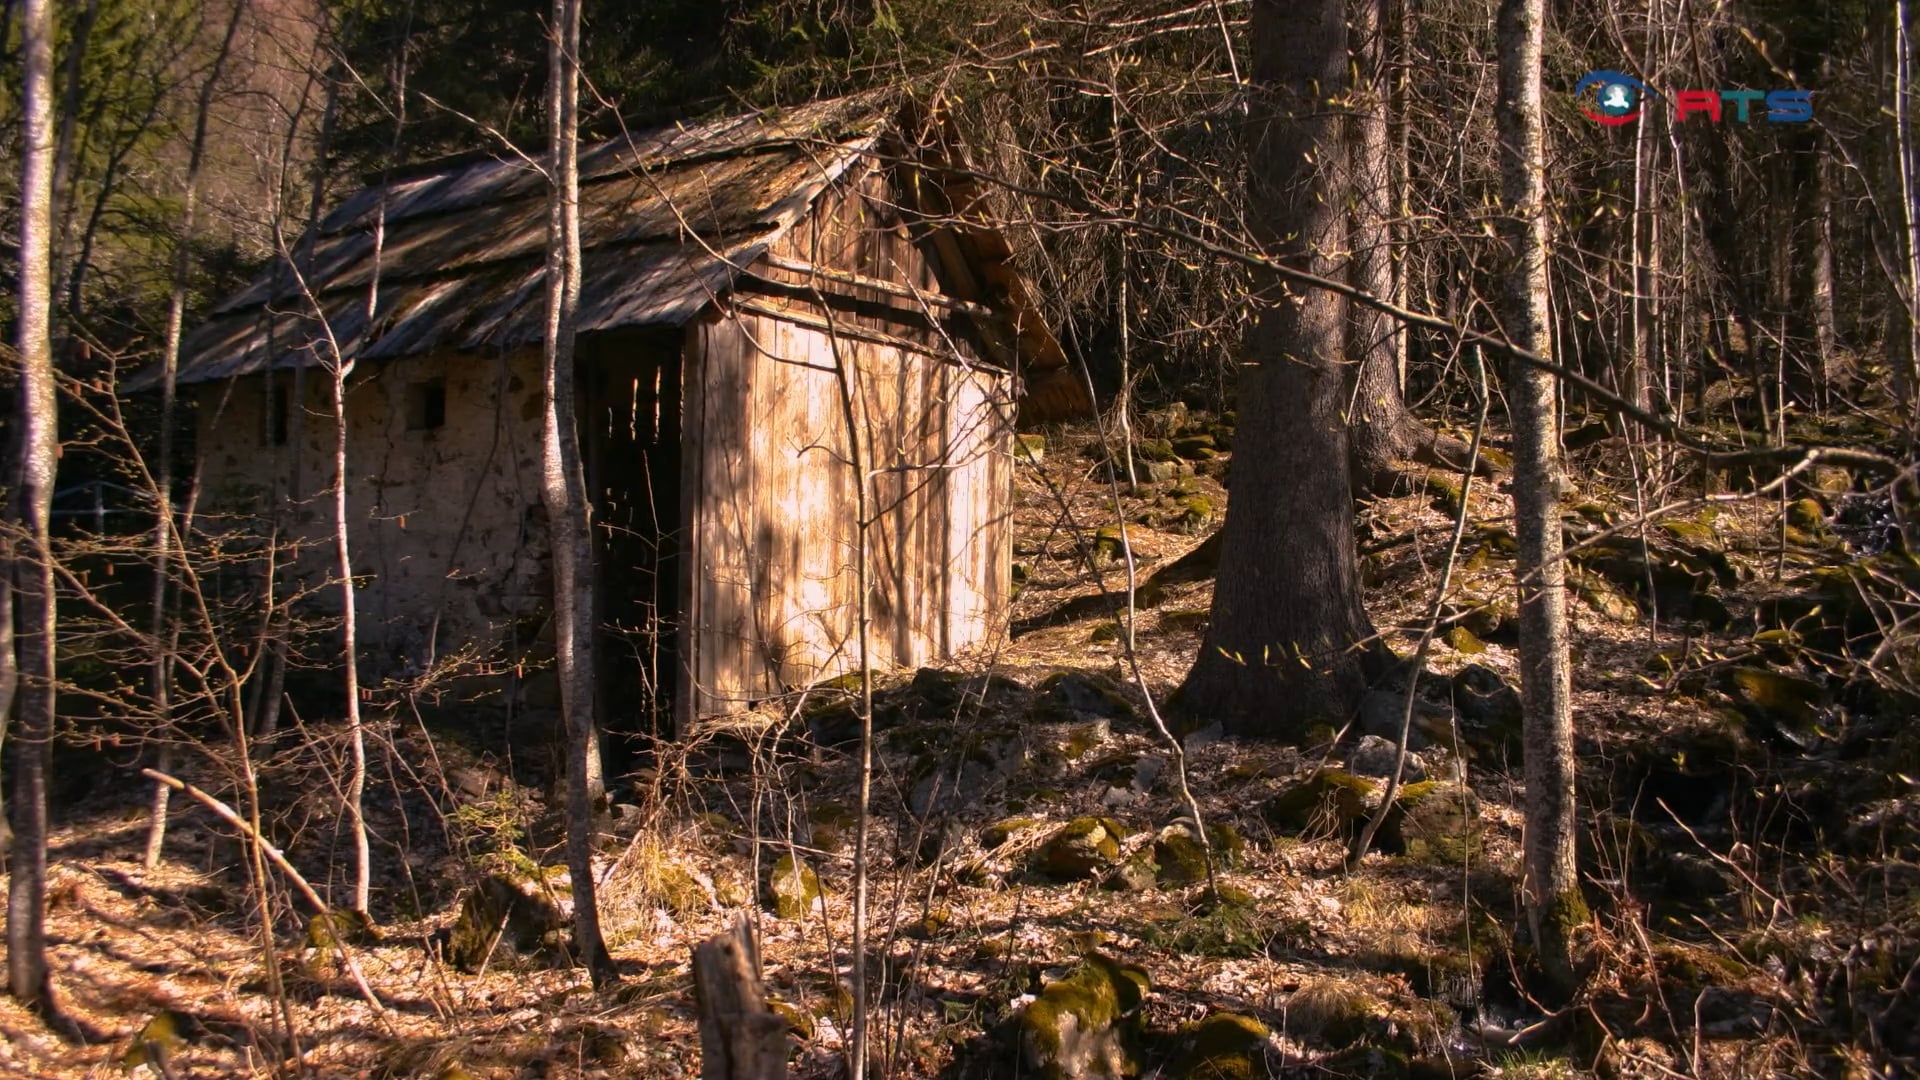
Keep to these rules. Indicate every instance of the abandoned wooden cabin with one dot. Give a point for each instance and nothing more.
(733, 271)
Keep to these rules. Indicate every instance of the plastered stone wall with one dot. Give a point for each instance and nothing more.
(447, 532)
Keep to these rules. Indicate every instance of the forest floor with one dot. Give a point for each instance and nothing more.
(1750, 834)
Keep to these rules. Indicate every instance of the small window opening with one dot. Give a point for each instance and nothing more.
(426, 405)
(277, 417)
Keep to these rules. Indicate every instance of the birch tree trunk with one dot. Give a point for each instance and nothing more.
(32, 564)
(163, 528)
(350, 648)
(1282, 652)
(1551, 889)
(563, 487)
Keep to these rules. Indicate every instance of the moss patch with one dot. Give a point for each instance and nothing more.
(1329, 799)
(792, 888)
(1080, 849)
(1224, 1046)
(1001, 831)
(1086, 1024)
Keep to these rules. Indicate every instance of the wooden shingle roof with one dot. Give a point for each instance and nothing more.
(668, 218)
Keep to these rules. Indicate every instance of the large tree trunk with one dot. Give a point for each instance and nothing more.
(563, 487)
(1552, 888)
(1283, 651)
(1385, 436)
(32, 565)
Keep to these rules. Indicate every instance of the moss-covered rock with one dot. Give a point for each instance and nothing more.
(1778, 696)
(1196, 513)
(1224, 1046)
(1368, 1062)
(1330, 799)
(1167, 422)
(1446, 492)
(1136, 875)
(1489, 708)
(1154, 450)
(1183, 862)
(1436, 821)
(1069, 695)
(1465, 641)
(792, 888)
(1032, 446)
(1080, 849)
(1808, 516)
(1109, 544)
(510, 915)
(1003, 830)
(1599, 592)
(327, 933)
(1181, 859)
(1199, 447)
(1086, 1025)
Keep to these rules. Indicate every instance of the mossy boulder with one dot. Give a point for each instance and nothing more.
(509, 915)
(1446, 492)
(1808, 516)
(1154, 450)
(1080, 849)
(1031, 445)
(1073, 695)
(1109, 543)
(1331, 799)
(1196, 513)
(1489, 710)
(1200, 447)
(327, 933)
(1086, 1025)
(792, 888)
(1224, 1046)
(1777, 696)
(1435, 821)
(1368, 1062)
(1167, 422)
(1599, 592)
(1003, 830)
(1465, 641)
(830, 825)
(1136, 875)
(938, 691)
(1181, 859)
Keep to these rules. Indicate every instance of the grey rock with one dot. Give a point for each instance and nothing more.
(1375, 756)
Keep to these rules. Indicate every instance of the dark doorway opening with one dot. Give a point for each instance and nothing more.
(630, 429)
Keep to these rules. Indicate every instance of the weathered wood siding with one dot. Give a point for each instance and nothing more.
(770, 594)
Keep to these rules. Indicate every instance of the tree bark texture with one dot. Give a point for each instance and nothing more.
(563, 487)
(32, 565)
(1282, 652)
(1552, 888)
(740, 1037)
(1385, 436)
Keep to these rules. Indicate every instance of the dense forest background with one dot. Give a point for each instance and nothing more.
(1708, 392)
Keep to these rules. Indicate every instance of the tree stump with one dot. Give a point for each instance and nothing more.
(740, 1037)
